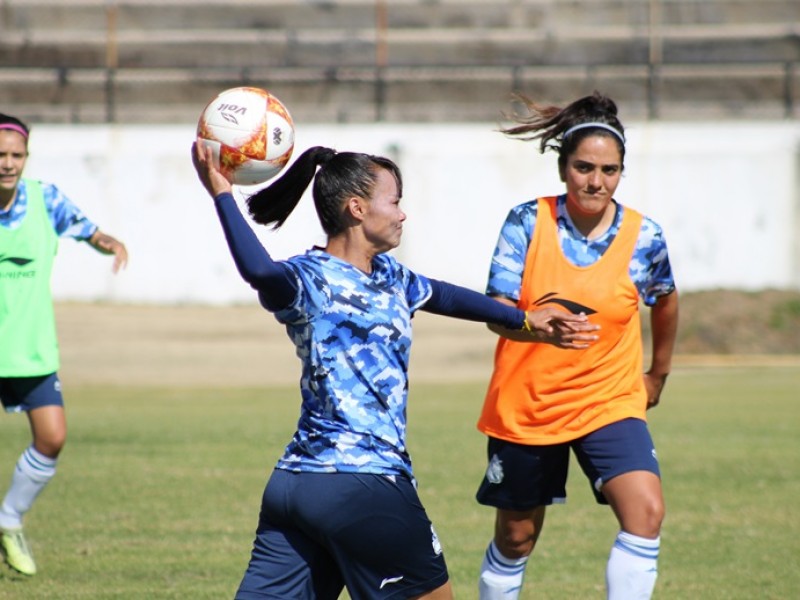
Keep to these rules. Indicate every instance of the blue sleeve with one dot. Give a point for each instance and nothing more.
(462, 303)
(273, 280)
(650, 268)
(508, 260)
(67, 219)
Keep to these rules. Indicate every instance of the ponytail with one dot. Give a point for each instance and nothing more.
(274, 204)
(549, 124)
(563, 128)
(342, 175)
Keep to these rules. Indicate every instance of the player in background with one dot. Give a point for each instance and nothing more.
(341, 507)
(33, 215)
(586, 253)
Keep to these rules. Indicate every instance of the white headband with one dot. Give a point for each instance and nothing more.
(605, 126)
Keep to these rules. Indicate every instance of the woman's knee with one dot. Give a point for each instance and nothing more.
(49, 429)
(516, 532)
(638, 502)
(50, 445)
(652, 516)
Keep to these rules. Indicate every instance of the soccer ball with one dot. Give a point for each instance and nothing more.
(250, 133)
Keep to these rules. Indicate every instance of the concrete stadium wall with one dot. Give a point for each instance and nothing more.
(727, 195)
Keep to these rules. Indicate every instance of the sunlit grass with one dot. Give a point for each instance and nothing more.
(158, 491)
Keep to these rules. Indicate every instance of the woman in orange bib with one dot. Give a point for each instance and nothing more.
(583, 252)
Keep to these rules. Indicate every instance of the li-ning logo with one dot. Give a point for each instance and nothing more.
(231, 112)
(17, 260)
(435, 544)
(573, 307)
(277, 136)
(387, 580)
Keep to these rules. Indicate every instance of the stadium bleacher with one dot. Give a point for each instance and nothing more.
(143, 61)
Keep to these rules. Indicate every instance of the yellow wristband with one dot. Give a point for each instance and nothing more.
(525, 325)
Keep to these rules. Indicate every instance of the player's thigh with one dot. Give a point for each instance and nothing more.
(285, 562)
(637, 500)
(49, 427)
(443, 592)
(520, 478)
(616, 449)
(378, 532)
(41, 400)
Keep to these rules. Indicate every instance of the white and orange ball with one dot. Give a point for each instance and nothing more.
(250, 133)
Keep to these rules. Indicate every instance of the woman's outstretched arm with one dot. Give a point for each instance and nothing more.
(542, 325)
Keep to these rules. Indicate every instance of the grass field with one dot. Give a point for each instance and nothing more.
(158, 491)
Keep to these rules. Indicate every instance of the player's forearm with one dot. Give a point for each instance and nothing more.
(462, 303)
(105, 244)
(101, 242)
(664, 325)
(515, 335)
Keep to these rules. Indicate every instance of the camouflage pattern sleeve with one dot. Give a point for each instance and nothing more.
(67, 218)
(650, 267)
(508, 260)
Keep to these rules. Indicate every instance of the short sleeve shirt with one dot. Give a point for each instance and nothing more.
(352, 333)
(67, 219)
(649, 269)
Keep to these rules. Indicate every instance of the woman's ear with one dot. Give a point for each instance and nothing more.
(356, 207)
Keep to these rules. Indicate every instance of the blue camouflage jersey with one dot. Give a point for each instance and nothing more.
(649, 270)
(67, 219)
(352, 332)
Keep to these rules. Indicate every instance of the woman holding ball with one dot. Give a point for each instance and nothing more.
(341, 507)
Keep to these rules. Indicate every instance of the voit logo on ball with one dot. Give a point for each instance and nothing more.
(231, 112)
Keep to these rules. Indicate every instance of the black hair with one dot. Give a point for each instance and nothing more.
(341, 175)
(549, 123)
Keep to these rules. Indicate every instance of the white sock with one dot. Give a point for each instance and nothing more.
(501, 577)
(33, 471)
(632, 567)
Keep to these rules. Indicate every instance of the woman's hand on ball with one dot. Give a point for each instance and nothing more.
(211, 177)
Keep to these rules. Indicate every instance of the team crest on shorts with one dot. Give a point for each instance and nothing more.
(437, 546)
(494, 472)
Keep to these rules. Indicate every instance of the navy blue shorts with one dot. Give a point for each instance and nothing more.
(521, 477)
(26, 393)
(320, 532)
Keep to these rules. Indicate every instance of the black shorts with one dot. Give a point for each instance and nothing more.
(319, 532)
(521, 477)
